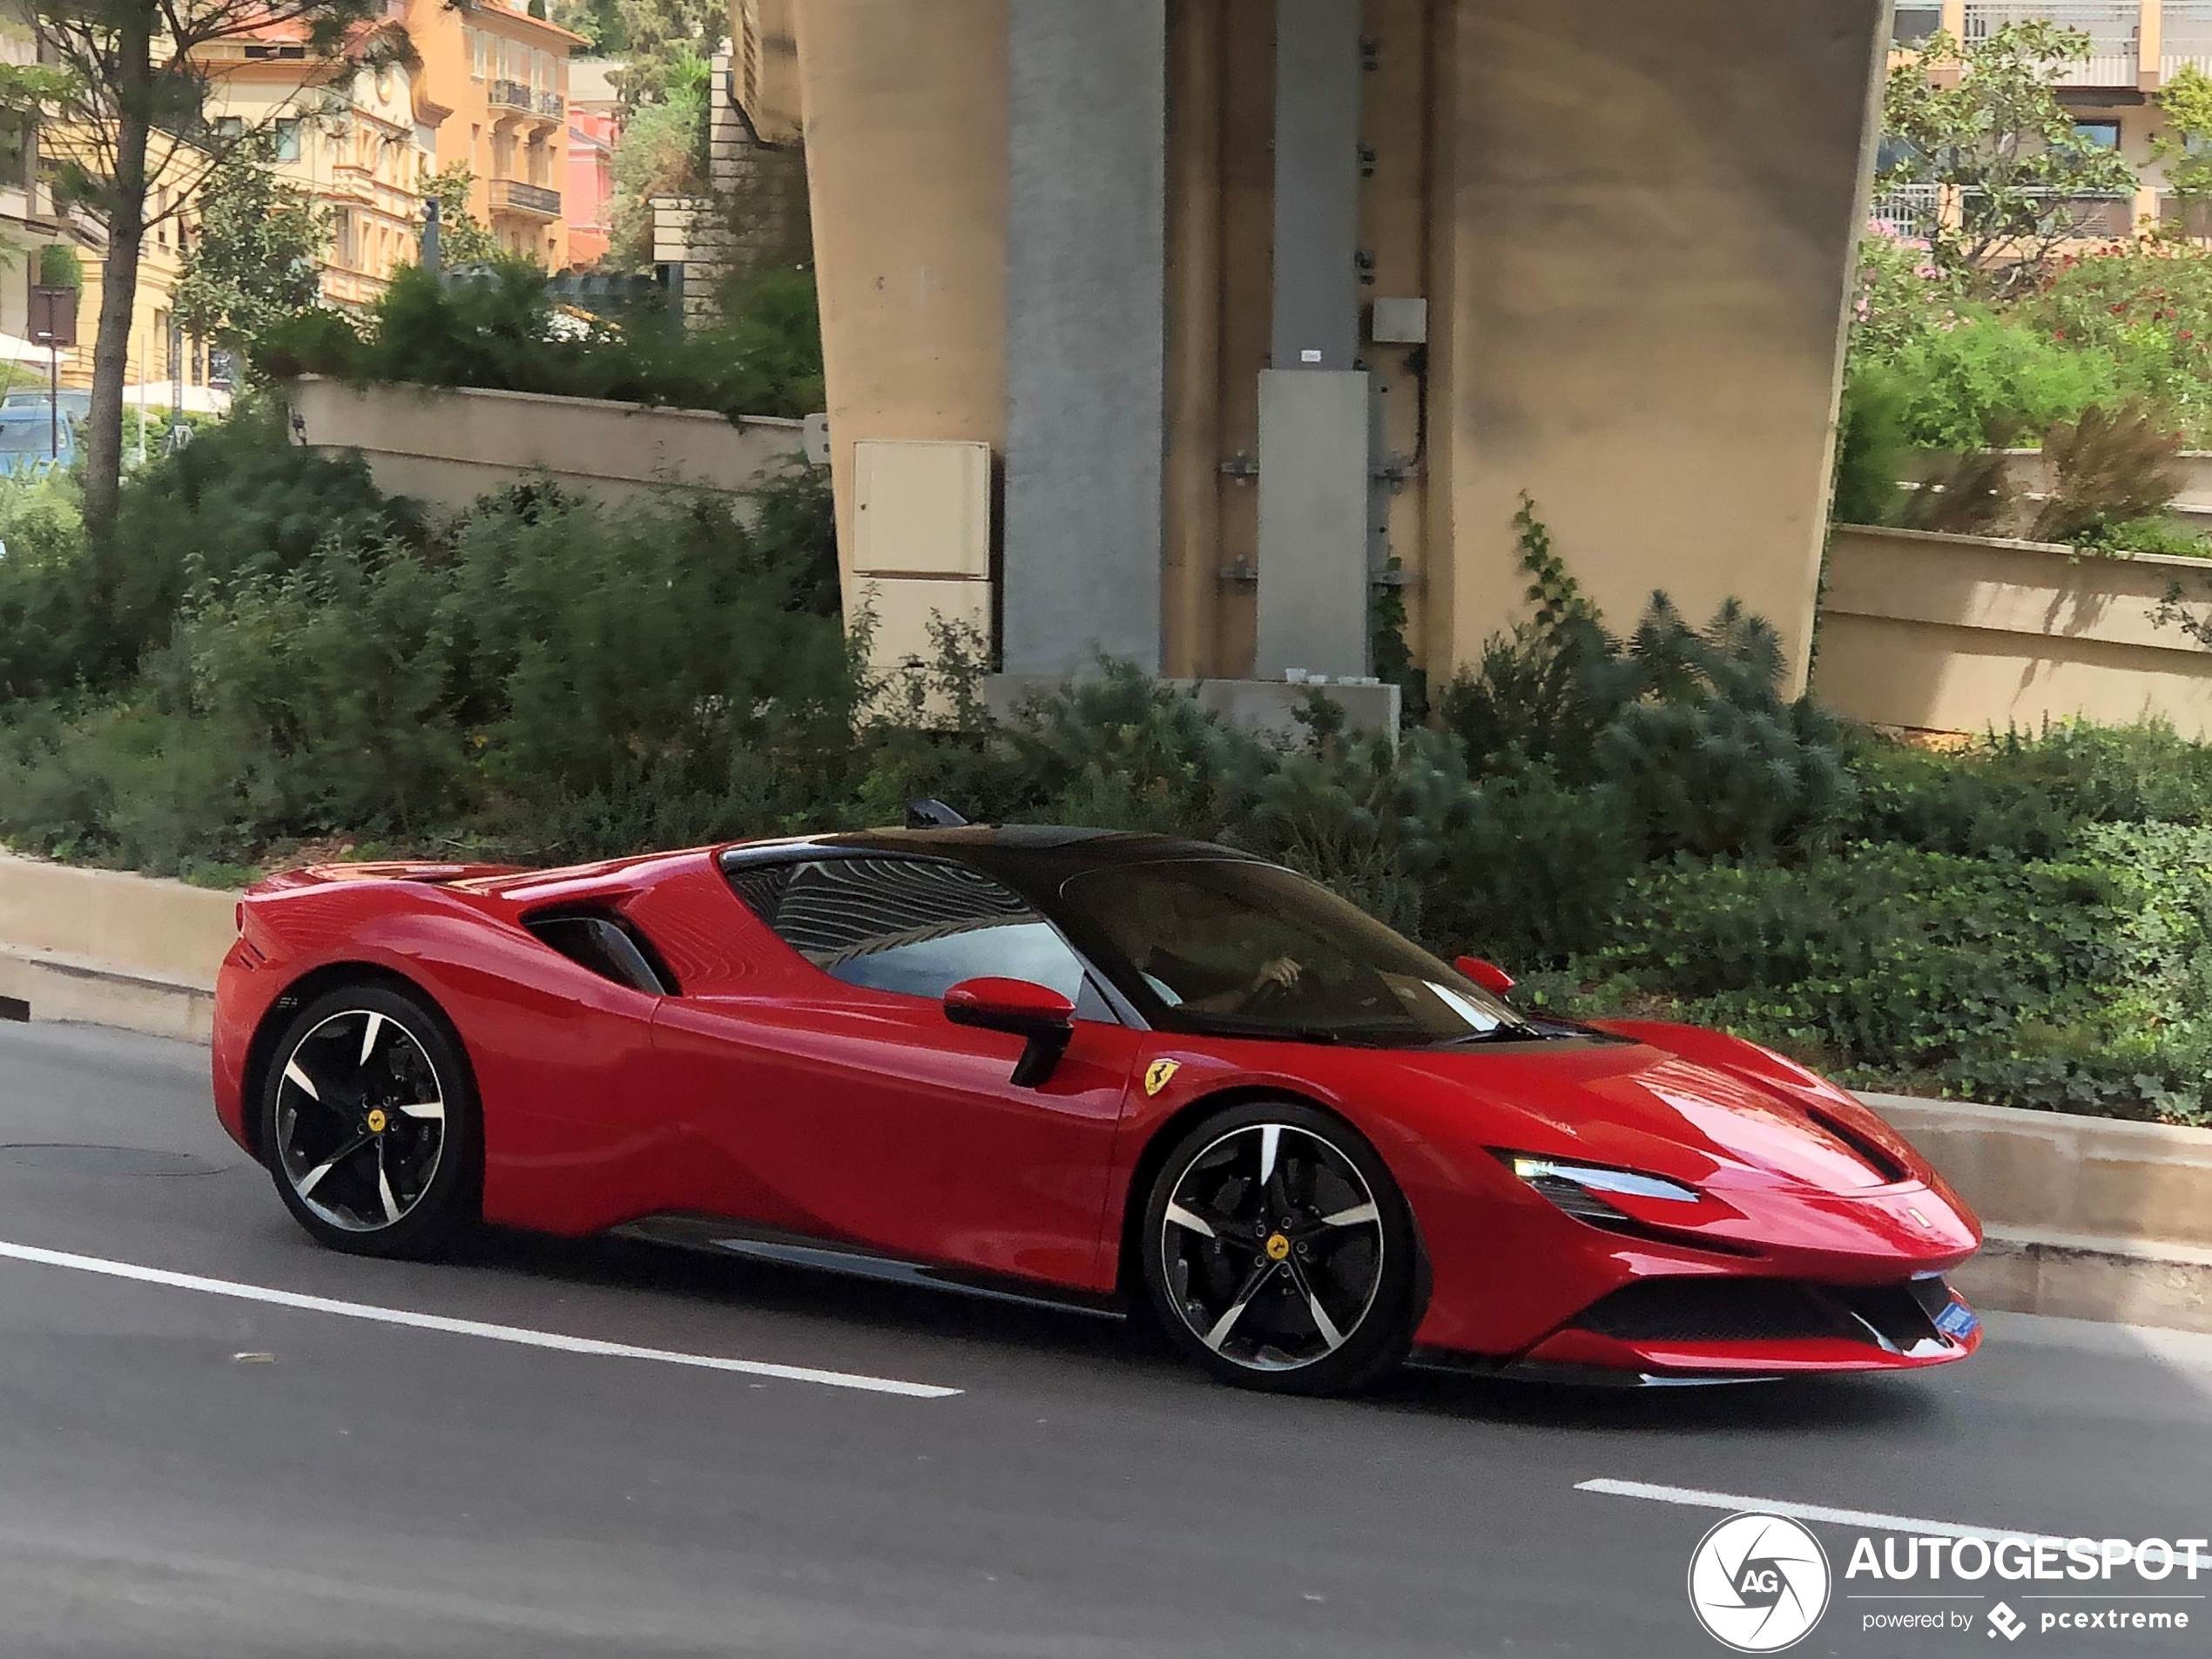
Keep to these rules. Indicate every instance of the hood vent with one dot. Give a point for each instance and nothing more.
(1863, 1147)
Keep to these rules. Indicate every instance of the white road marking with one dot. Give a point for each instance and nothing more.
(1692, 1497)
(510, 1333)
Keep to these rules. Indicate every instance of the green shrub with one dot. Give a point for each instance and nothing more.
(762, 357)
(1690, 726)
(1988, 381)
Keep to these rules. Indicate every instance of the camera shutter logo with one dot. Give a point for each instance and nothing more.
(1758, 1583)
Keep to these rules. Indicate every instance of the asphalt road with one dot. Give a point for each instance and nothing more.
(184, 1472)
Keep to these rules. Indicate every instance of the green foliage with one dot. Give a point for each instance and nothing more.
(661, 153)
(1984, 117)
(1687, 727)
(2148, 534)
(463, 239)
(502, 330)
(254, 260)
(1870, 448)
(59, 267)
(2185, 100)
(1987, 381)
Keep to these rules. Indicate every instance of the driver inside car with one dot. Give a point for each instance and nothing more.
(1149, 925)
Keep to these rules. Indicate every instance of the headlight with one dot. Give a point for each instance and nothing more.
(1575, 1187)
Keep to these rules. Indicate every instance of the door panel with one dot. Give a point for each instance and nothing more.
(867, 1116)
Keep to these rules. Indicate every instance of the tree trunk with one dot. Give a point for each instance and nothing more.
(127, 231)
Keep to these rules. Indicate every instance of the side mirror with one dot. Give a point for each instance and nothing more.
(1043, 1019)
(1491, 977)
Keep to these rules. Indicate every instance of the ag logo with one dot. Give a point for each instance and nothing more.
(1758, 1583)
(1160, 1074)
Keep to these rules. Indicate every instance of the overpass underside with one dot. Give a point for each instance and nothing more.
(1229, 316)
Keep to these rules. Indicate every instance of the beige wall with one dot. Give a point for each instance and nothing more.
(1965, 634)
(1656, 208)
(1634, 224)
(905, 113)
(448, 447)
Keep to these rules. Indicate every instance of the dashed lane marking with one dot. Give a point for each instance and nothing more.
(518, 1335)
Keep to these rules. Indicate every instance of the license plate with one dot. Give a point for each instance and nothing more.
(1958, 1322)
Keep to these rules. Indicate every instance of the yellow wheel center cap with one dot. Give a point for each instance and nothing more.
(376, 1121)
(1277, 1248)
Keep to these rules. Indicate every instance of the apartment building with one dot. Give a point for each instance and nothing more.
(501, 76)
(2136, 46)
(359, 140)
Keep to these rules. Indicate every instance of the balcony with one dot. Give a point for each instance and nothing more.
(1912, 211)
(2187, 34)
(1918, 211)
(517, 197)
(552, 105)
(2114, 28)
(512, 95)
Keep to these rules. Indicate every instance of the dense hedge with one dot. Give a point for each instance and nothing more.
(274, 654)
(762, 355)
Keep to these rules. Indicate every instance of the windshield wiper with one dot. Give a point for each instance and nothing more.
(1511, 1031)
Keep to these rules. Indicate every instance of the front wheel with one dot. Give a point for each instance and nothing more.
(370, 1126)
(1280, 1253)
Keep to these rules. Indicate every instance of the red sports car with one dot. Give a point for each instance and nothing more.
(1089, 1066)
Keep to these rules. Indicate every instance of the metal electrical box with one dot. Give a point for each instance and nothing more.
(1313, 491)
(921, 545)
(1399, 322)
(921, 508)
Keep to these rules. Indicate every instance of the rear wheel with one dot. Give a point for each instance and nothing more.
(1280, 1253)
(370, 1125)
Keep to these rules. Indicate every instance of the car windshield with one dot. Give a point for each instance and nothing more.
(1238, 948)
(31, 437)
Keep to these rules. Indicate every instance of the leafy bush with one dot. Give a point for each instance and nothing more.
(2080, 984)
(1987, 379)
(763, 357)
(1689, 727)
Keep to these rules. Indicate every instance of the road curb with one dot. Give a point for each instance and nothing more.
(70, 989)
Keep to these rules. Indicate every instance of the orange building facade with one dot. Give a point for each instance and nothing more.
(501, 77)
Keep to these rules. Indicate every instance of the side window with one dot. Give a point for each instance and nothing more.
(918, 928)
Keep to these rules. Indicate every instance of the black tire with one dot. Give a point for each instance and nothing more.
(370, 1125)
(1290, 1263)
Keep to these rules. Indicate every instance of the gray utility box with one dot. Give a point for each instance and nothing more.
(1314, 486)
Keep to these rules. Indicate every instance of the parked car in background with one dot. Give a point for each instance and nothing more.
(32, 442)
(73, 406)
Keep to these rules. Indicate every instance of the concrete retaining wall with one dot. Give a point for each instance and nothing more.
(114, 949)
(449, 448)
(1965, 633)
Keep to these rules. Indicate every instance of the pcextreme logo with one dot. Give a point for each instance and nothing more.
(1758, 1583)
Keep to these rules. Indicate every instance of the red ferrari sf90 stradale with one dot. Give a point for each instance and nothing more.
(1096, 1067)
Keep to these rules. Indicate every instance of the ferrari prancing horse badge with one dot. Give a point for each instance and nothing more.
(1160, 1074)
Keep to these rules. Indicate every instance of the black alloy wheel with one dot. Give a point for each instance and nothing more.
(370, 1124)
(1279, 1252)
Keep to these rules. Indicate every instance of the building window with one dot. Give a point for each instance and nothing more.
(479, 55)
(2103, 134)
(1916, 22)
(287, 138)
